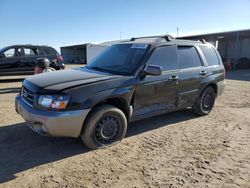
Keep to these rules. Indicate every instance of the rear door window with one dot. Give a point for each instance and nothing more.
(29, 52)
(166, 57)
(210, 55)
(39, 51)
(188, 57)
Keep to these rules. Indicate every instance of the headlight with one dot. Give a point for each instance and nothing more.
(53, 102)
(60, 102)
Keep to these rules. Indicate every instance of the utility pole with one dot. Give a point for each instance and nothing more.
(120, 35)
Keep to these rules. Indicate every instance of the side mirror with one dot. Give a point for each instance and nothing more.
(153, 70)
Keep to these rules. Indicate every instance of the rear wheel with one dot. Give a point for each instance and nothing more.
(205, 102)
(104, 126)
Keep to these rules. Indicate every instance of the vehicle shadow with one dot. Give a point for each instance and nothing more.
(146, 125)
(22, 149)
(9, 90)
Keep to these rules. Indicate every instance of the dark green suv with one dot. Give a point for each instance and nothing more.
(21, 59)
(132, 80)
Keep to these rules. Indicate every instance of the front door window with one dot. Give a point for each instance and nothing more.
(9, 53)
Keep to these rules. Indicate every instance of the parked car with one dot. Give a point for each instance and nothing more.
(21, 59)
(130, 81)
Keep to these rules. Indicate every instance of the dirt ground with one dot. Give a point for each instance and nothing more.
(173, 150)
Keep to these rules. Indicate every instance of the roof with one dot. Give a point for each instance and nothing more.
(140, 40)
(161, 40)
(26, 45)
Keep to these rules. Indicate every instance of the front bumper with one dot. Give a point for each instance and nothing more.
(62, 124)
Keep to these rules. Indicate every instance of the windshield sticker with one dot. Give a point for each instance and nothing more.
(140, 46)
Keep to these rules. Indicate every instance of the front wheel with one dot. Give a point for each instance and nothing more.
(104, 126)
(205, 102)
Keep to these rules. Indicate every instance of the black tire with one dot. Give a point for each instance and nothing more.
(205, 103)
(104, 126)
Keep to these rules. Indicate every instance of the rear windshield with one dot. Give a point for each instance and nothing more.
(210, 55)
(121, 59)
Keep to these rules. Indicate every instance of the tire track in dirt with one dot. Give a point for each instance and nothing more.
(211, 151)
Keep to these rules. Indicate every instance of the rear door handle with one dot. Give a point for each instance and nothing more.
(173, 78)
(203, 73)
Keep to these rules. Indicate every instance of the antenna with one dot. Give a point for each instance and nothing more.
(120, 35)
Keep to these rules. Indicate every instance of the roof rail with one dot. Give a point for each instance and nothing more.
(167, 37)
(203, 40)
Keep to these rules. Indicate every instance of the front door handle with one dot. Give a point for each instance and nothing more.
(173, 78)
(203, 72)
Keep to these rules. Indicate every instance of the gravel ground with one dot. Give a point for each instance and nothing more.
(173, 150)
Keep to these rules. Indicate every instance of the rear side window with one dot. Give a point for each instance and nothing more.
(37, 51)
(166, 57)
(49, 51)
(188, 57)
(210, 55)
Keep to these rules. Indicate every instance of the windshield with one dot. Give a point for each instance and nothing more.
(121, 59)
(2, 49)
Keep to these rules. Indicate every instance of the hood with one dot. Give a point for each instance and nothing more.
(63, 79)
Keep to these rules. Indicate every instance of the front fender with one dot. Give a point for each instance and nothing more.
(124, 93)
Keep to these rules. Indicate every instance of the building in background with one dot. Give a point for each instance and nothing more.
(84, 53)
(233, 46)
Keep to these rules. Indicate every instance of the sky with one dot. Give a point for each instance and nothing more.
(68, 22)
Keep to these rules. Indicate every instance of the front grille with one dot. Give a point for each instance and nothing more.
(27, 96)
